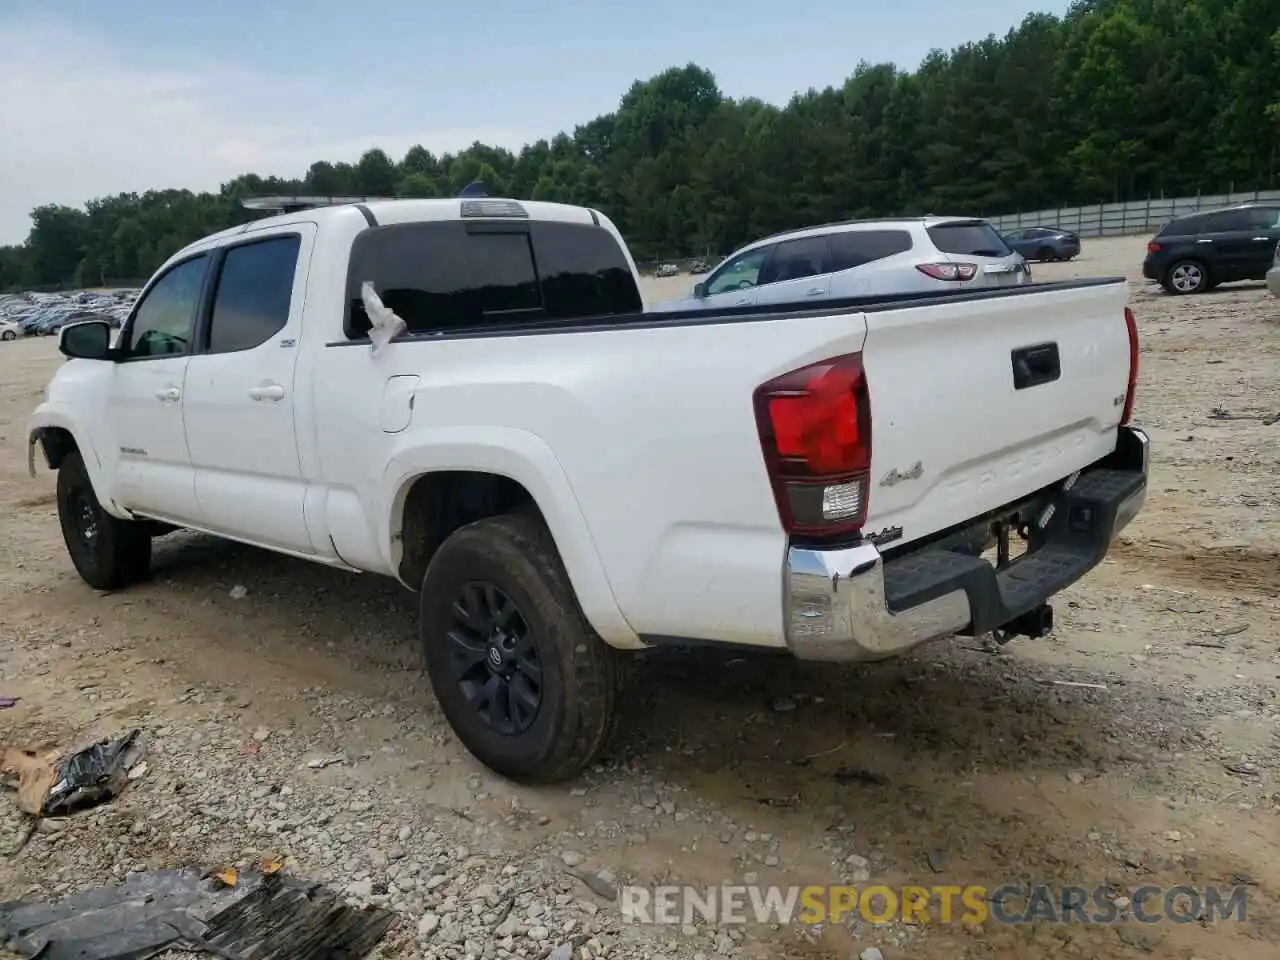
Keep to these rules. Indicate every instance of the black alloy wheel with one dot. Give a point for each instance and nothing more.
(495, 658)
(84, 515)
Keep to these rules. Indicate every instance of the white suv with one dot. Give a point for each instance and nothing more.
(861, 258)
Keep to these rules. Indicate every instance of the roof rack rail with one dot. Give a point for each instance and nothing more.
(295, 204)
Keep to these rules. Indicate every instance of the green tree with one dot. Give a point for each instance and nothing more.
(1115, 100)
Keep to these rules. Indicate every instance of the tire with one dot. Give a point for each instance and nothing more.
(107, 552)
(1045, 254)
(1186, 277)
(8, 335)
(546, 649)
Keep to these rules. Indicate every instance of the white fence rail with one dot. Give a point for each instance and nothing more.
(1115, 219)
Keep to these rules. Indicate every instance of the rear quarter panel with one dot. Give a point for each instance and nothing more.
(652, 427)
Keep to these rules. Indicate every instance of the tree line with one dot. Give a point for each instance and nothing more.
(1116, 100)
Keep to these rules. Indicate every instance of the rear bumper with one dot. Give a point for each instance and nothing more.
(1273, 280)
(851, 604)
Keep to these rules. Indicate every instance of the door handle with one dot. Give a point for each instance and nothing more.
(737, 303)
(1204, 241)
(815, 292)
(1263, 239)
(169, 393)
(267, 391)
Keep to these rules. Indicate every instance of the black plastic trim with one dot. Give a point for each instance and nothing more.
(1075, 540)
(365, 212)
(662, 641)
(595, 217)
(1036, 365)
(767, 313)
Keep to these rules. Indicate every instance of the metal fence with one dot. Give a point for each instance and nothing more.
(1116, 219)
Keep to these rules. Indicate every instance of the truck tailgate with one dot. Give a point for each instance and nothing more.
(978, 402)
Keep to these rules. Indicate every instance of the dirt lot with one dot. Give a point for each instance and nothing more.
(956, 766)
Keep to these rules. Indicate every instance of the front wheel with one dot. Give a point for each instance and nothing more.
(8, 335)
(1186, 276)
(526, 684)
(106, 551)
(1045, 255)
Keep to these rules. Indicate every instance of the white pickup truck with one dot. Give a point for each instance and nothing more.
(561, 476)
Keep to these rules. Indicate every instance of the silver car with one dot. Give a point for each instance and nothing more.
(860, 258)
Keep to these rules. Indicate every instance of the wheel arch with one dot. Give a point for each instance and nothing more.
(433, 486)
(58, 435)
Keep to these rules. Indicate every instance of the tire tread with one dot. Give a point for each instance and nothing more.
(589, 666)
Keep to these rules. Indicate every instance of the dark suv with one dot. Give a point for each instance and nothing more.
(1196, 253)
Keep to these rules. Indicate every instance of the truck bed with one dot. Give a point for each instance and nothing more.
(755, 312)
(648, 420)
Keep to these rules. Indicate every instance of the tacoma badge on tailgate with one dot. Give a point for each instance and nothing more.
(896, 476)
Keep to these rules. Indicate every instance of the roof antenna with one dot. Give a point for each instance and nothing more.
(474, 189)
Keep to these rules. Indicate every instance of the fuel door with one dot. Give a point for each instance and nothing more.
(397, 402)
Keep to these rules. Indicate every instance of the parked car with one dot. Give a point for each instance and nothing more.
(1044, 243)
(43, 314)
(1195, 253)
(668, 270)
(699, 266)
(9, 330)
(860, 258)
(1273, 275)
(560, 475)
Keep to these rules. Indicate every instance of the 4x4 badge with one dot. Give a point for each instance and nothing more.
(897, 476)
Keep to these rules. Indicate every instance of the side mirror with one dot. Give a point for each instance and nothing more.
(699, 289)
(87, 340)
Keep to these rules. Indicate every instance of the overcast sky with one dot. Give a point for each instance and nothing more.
(99, 98)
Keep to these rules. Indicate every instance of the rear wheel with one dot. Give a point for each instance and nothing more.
(1186, 276)
(526, 684)
(8, 335)
(106, 551)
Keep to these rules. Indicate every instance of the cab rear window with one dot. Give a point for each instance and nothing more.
(450, 275)
(969, 239)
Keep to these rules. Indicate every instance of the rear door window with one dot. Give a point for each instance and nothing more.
(853, 248)
(449, 275)
(1187, 226)
(797, 259)
(1229, 221)
(1264, 218)
(969, 239)
(253, 294)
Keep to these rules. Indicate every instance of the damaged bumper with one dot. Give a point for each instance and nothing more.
(854, 604)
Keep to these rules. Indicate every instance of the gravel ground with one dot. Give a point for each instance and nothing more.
(293, 721)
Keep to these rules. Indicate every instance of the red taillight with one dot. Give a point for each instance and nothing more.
(1131, 326)
(1153, 247)
(815, 429)
(949, 271)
